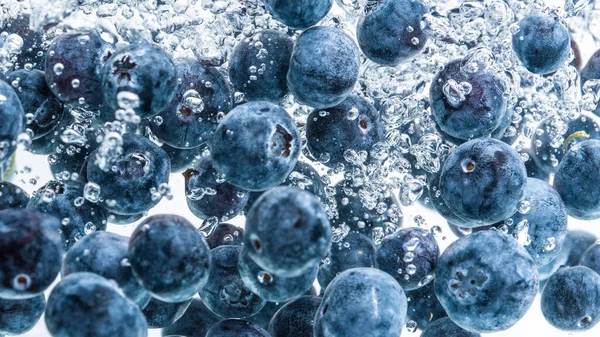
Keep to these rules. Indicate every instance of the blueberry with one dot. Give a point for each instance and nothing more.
(169, 257)
(571, 299)
(37, 100)
(141, 77)
(591, 71)
(11, 115)
(119, 219)
(264, 316)
(161, 314)
(208, 195)
(438, 203)
(255, 146)
(259, 64)
(445, 327)
(105, 254)
(287, 231)
(479, 290)
(181, 159)
(31, 252)
(542, 43)
(12, 196)
(353, 251)
(424, 306)
(410, 255)
(47, 144)
(483, 181)
(467, 104)
(299, 14)
(73, 68)
(533, 169)
(236, 328)
(579, 242)
(361, 302)
(191, 117)
(295, 318)
(65, 201)
(225, 293)
(194, 323)
(34, 43)
(19, 316)
(590, 258)
(86, 304)
(141, 167)
(225, 234)
(390, 31)
(324, 67)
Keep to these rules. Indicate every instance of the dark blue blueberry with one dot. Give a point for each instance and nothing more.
(483, 181)
(141, 70)
(542, 43)
(194, 323)
(119, 219)
(141, 168)
(12, 196)
(295, 319)
(169, 257)
(390, 31)
(424, 306)
(34, 44)
(181, 159)
(105, 254)
(446, 328)
(19, 316)
(256, 146)
(225, 234)
(479, 290)
(65, 201)
(579, 242)
(591, 258)
(192, 115)
(410, 255)
(264, 316)
(324, 67)
(259, 64)
(577, 178)
(47, 144)
(37, 100)
(287, 231)
(236, 328)
(435, 195)
(86, 304)
(225, 293)
(11, 115)
(31, 252)
(208, 195)
(353, 251)
(467, 104)
(73, 68)
(571, 299)
(361, 302)
(591, 71)
(353, 124)
(161, 314)
(299, 14)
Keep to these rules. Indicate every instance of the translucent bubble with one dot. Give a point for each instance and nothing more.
(58, 68)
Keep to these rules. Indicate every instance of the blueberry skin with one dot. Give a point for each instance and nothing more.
(82, 220)
(236, 328)
(542, 44)
(334, 133)
(47, 144)
(181, 159)
(31, 252)
(19, 316)
(409, 248)
(478, 289)
(225, 293)
(143, 69)
(161, 314)
(12, 196)
(11, 115)
(590, 258)
(141, 166)
(169, 257)
(438, 203)
(579, 242)
(424, 306)
(445, 327)
(483, 181)
(324, 67)
(271, 287)
(571, 299)
(295, 318)
(194, 323)
(36, 99)
(287, 231)
(255, 146)
(264, 316)
(591, 71)
(385, 34)
(184, 125)
(77, 56)
(479, 114)
(270, 48)
(225, 234)
(298, 14)
(355, 250)
(361, 302)
(105, 254)
(226, 203)
(86, 304)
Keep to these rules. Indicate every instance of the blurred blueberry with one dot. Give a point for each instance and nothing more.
(236, 328)
(194, 323)
(591, 258)
(579, 242)
(424, 306)
(445, 327)
(34, 44)
(225, 234)
(19, 316)
(161, 314)
(181, 159)
(295, 319)
(264, 316)
(591, 71)
(298, 14)
(12, 196)
(119, 219)
(11, 115)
